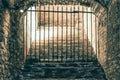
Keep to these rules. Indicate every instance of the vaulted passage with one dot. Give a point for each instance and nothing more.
(59, 40)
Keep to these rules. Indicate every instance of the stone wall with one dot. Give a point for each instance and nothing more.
(4, 53)
(109, 38)
(11, 39)
(16, 46)
(101, 31)
(113, 42)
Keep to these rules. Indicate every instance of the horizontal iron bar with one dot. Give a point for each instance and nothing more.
(60, 11)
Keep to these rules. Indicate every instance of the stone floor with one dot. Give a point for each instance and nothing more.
(62, 71)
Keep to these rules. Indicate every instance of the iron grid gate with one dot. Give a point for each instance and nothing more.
(60, 33)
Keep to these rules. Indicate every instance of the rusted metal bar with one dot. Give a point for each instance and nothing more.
(61, 11)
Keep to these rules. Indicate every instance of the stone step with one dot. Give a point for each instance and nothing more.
(68, 72)
(81, 61)
(62, 64)
(59, 46)
(60, 69)
(76, 70)
(63, 79)
(28, 78)
(63, 74)
(35, 70)
(60, 59)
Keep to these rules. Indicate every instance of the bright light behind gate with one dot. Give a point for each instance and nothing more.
(40, 33)
(49, 27)
(44, 33)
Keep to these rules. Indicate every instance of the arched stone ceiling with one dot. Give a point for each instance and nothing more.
(16, 4)
(104, 3)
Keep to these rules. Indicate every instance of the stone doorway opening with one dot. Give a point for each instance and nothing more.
(61, 42)
(60, 33)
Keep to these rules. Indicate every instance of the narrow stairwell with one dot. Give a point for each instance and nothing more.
(61, 62)
(34, 70)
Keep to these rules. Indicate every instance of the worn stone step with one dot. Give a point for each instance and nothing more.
(63, 74)
(48, 71)
(64, 79)
(64, 64)
(41, 69)
(35, 70)
(49, 57)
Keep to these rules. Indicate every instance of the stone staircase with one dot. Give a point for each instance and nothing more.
(67, 61)
(68, 51)
(33, 70)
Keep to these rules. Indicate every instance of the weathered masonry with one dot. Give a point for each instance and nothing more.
(59, 31)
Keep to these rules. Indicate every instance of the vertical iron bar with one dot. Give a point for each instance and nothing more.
(87, 32)
(91, 35)
(83, 34)
(53, 33)
(62, 37)
(96, 38)
(74, 35)
(44, 33)
(78, 32)
(23, 38)
(26, 35)
(48, 31)
(39, 34)
(30, 34)
(71, 35)
(35, 32)
(66, 33)
(57, 31)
